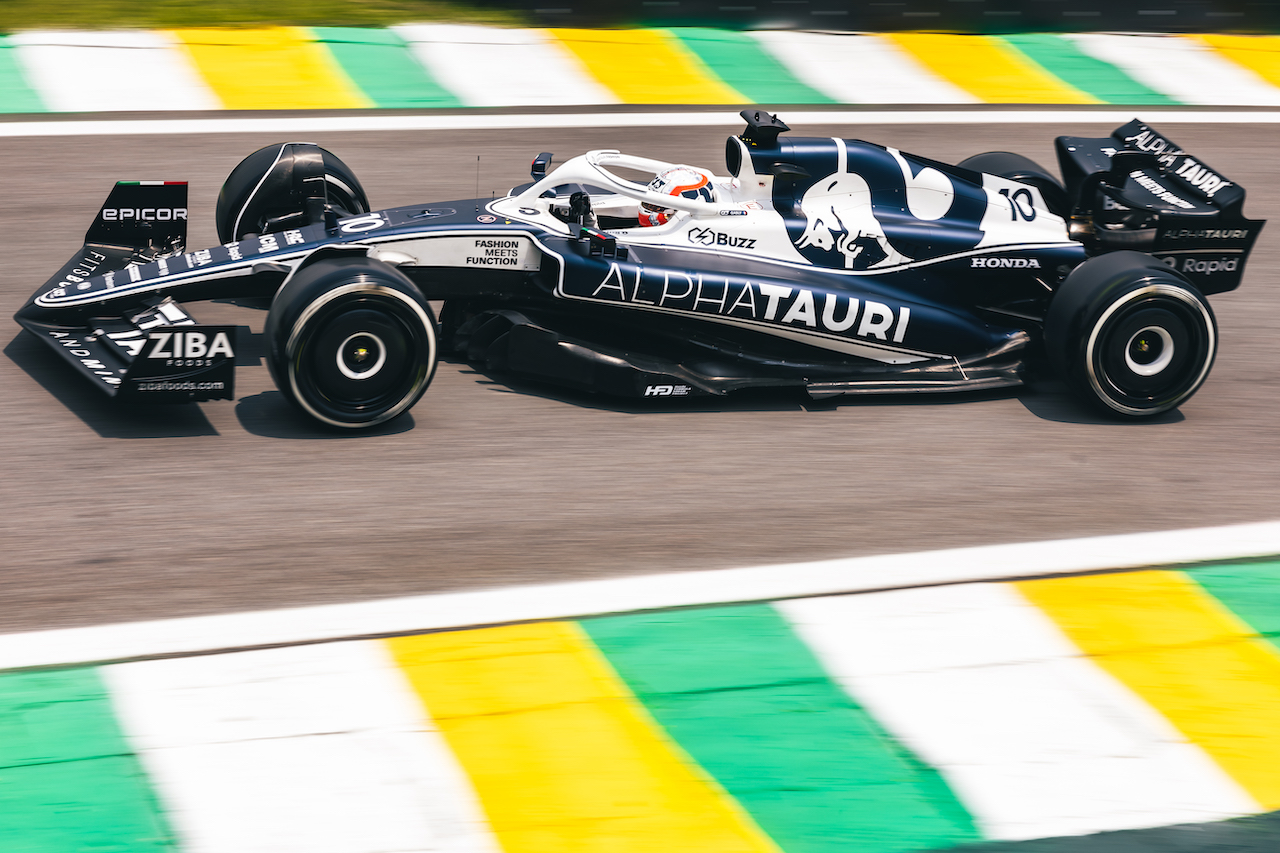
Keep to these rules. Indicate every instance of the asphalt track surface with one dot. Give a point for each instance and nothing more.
(111, 513)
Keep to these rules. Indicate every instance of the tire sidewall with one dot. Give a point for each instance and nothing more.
(1015, 167)
(322, 292)
(1203, 338)
(239, 208)
(1102, 295)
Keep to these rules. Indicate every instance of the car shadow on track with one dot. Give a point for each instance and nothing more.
(108, 417)
(270, 415)
(746, 400)
(1052, 400)
(1047, 399)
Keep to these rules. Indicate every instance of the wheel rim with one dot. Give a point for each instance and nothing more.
(361, 356)
(1151, 350)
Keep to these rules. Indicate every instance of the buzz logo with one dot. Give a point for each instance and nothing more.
(189, 345)
(707, 237)
(667, 391)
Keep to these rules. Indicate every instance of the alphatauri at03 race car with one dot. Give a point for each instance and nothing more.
(833, 265)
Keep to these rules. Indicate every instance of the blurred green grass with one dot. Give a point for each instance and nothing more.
(16, 15)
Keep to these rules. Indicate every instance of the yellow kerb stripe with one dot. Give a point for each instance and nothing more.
(647, 67)
(989, 68)
(561, 755)
(275, 68)
(1260, 54)
(1187, 656)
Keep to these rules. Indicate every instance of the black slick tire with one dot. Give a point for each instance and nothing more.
(1015, 167)
(262, 190)
(351, 342)
(1130, 334)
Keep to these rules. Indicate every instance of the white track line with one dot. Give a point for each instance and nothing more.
(131, 641)
(375, 122)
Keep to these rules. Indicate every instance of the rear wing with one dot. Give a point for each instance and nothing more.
(1172, 204)
(1146, 170)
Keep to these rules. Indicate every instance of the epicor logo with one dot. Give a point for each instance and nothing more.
(152, 214)
(189, 345)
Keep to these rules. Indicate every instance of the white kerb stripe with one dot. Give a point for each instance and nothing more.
(493, 67)
(619, 595)
(1181, 68)
(317, 749)
(99, 72)
(1035, 739)
(859, 69)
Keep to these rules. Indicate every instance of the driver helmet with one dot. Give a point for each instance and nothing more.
(681, 181)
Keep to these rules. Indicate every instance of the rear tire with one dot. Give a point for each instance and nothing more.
(1130, 334)
(260, 195)
(351, 342)
(1015, 167)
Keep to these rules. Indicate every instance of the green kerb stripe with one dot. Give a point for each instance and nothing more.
(742, 63)
(16, 95)
(1250, 590)
(382, 65)
(68, 779)
(747, 700)
(1065, 61)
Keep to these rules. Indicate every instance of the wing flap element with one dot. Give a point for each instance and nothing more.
(160, 355)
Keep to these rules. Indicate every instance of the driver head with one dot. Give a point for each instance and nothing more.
(680, 181)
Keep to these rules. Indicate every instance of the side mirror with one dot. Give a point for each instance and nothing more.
(540, 163)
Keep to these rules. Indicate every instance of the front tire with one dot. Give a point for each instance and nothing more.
(1130, 334)
(351, 342)
(265, 192)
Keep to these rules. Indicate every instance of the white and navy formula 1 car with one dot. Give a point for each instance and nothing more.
(833, 265)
